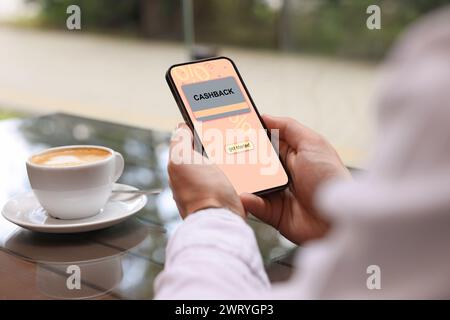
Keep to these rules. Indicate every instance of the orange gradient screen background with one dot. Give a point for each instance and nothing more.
(248, 176)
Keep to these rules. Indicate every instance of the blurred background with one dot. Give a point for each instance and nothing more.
(313, 60)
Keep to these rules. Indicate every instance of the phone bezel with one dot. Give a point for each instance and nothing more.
(189, 122)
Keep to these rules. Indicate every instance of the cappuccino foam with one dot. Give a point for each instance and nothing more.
(70, 157)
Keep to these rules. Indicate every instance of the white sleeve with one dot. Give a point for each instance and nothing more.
(212, 255)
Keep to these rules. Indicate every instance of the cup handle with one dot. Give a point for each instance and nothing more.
(119, 165)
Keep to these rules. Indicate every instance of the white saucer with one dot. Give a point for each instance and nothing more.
(25, 211)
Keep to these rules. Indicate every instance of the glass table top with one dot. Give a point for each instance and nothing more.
(120, 262)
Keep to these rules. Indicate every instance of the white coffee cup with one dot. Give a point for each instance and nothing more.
(74, 191)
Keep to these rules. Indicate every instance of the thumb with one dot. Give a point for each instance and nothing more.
(182, 133)
(259, 207)
(289, 130)
(181, 148)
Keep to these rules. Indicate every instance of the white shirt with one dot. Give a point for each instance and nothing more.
(394, 220)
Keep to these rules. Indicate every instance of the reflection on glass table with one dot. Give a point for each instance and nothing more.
(123, 260)
(99, 256)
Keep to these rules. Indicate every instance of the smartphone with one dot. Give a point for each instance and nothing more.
(216, 105)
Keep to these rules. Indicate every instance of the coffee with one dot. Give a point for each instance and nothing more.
(70, 157)
(74, 182)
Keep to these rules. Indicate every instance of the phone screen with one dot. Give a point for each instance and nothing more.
(227, 124)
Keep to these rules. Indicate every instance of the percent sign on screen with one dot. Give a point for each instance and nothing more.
(240, 122)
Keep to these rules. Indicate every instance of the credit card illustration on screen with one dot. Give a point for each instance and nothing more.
(215, 99)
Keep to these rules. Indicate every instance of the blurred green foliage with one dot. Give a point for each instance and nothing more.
(243, 23)
(96, 14)
(335, 27)
(6, 114)
(339, 26)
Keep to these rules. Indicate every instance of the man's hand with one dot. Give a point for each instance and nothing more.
(310, 160)
(195, 181)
